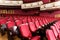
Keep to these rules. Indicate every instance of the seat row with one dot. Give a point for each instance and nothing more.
(25, 25)
(45, 1)
(54, 32)
(26, 19)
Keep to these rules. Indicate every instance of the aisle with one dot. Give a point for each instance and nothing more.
(0, 37)
(5, 37)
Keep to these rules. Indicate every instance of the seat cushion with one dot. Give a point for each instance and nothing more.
(32, 26)
(50, 35)
(36, 38)
(24, 30)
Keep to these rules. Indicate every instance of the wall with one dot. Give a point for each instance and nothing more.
(51, 14)
(19, 11)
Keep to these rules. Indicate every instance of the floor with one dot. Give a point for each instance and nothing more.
(5, 37)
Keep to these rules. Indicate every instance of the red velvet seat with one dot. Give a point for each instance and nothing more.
(29, 19)
(58, 25)
(56, 28)
(36, 38)
(10, 24)
(29, 1)
(37, 24)
(32, 26)
(41, 23)
(24, 20)
(46, 1)
(25, 32)
(24, 29)
(33, 20)
(15, 18)
(3, 21)
(55, 31)
(10, 19)
(3, 24)
(50, 35)
(28, 24)
(18, 22)
(44, 22)
(59, 36)
(21, 17)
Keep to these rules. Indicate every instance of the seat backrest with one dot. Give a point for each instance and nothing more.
(10, 24)
(33, 20)
(55, 31)
(37, 24)
(50, 35)
(46, 1)
(25, 20)
(56, 28)
(36, 38)
(18, 22)
(59, 36)
(3, 21)
(32, 26)
(29, 1)
(24, 30)
(41, 23)
(43, 20)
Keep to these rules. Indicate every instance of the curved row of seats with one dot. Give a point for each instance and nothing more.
(54, 32)
(45, 1)
(25, 25)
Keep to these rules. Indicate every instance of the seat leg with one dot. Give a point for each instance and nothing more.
(10, 37)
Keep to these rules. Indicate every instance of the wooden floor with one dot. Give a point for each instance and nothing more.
(5, 37)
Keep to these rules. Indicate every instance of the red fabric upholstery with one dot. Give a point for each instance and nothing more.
(28, 1)
(41, 23)
(32, 26)
(16, 18)
(10, 24)
(37, 24)
(18, 22)
(59, 36)
(25, 20)
(46, 20)
(36, 38)
(24, 29)
(3, 21)
(43, 20)
(46, 1)
(29, 19)
(33, 20)
(56, 28)
(50, 35)
(55, 31)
